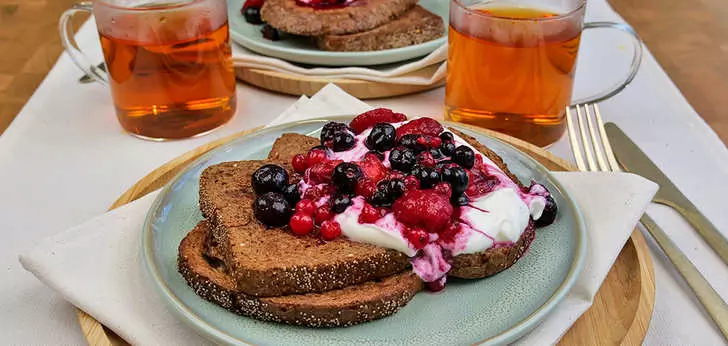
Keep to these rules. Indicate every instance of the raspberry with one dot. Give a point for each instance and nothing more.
(444, 189)
(299, 163)
(426, 159)
(316, 156)
(366, 188)
(423, 208)
(369, 214)
(372, 168)
(417, 237)
(330, 230)
(480, 183)
(411, 183)
(305, 206)
(395, 175)
(318, 191)
(323, 213)
(429, 141)
(301, 224)
(421, 126)
(368, 119)
(321, 172)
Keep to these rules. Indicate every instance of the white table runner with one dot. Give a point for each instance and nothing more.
(65, 159)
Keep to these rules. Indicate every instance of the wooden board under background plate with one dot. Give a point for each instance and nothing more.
(621, 311)
(300, 85)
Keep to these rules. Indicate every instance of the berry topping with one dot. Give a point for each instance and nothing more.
(299, 163)
(437, 285)
(381, 198)
(372, 168)
(339, 203)
(375, 116)
(269, 178)
(330, 230)
(369, 214)
(316, 155)
(480, 183)
(464, 156)
(423, 208)
(436, 154)
(428, 177)
(447, 148)
(291, 194)
(457, 177)
(382, 137)
(272, 209)
(402, 159)
(305, 206)
(366, 188)
(270, 33)
(443, 189)
(426, 159)
(378, 154)
(252, 15)
(321, 173)
(444, 163)
(549, 213)
(346, 175)
(417, 236)
(343, 141)
(253, 3)
(323, 213)
(411, 141)
(301, 224)
(411, 183)
(460, 200)
(394, 187)
(330, 129)
(423, 126)
(318, 191)
(447, 137)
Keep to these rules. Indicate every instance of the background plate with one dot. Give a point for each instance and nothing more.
(301, 50)
(493, 311)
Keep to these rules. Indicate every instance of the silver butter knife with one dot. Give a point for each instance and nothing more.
(635, 161)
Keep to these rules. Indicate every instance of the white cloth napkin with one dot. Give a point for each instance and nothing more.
(396, 73)
(96, 265)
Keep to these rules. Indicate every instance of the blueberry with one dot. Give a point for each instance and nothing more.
(411, 141)
(464, 156)
(394, 188)
(382, 137)
(459, 200)
(447, 137)
(343, 141)
(402, 159)
(270, 33)
(252, 15)
(456, 177)
(272, 209)
(380, 199)
(443, 163)
(379, 154)
(416, 169)
(269, 178)
(549, 213)
(447, 148)
(345, 177)
(330, 129)
(339, 203)
(291, 194)
(428, 177)
(436, 154)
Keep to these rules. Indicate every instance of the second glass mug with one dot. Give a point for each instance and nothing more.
(511, 64)
(169, 64)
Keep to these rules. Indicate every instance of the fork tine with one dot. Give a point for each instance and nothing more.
(605, 141)
(585, 140)
(574, 142)
(598, 152)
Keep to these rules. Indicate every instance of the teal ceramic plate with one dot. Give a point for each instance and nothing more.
(301, 50)
(491, 311)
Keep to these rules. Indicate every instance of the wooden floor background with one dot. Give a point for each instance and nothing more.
(688, 38)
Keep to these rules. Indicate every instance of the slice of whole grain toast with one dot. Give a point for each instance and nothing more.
(274, 262)
(343, 307)
(416, 26)
(360, 15)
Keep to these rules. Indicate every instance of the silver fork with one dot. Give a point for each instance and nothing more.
(590, 143)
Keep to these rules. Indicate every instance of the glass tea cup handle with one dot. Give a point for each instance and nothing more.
(69, 43)
(634, 66)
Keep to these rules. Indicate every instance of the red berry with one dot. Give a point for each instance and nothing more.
(448, 233)
(323, 213)
(315, 156)
(421, 126)
(299, 163)
(418, 237)
(301, 224)
(369, 214)
(444, 189)
(395, 175)
(316, 192)
(423, 208)
(366, 188)
(411, 183)
(306, 206)
(372, 168)
(368, 119)
(330, 230)
(322, 172)
(426, 159)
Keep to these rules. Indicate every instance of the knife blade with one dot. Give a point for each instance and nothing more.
(635, 161)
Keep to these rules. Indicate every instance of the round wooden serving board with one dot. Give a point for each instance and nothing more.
(621, 311)
(301, 85)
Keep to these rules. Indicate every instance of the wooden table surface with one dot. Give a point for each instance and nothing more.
(688, 38)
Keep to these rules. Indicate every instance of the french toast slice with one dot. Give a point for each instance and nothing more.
(415, 26)
(361, 15)
(342, 307)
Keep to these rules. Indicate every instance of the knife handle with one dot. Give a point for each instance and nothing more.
(705, 228)
(711, 300)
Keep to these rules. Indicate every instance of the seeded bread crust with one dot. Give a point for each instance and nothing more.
(348, 306)
(416, 26)
(361, 15)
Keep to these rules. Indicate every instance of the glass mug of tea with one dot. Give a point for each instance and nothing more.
(169, 63)
(511, 64)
